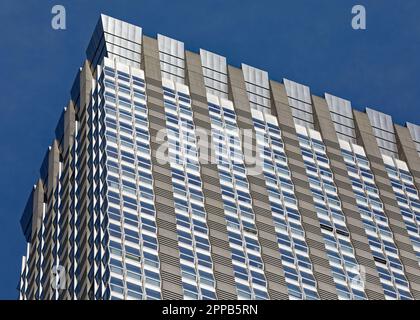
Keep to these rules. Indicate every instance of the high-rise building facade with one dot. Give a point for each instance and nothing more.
(148, 191)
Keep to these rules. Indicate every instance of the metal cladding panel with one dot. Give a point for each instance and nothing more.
(415, 135)
(299, 105)
(215, 73)
(297, 91)
(121, 29)
(256, 76)
(117, 39)
(342, 117)
(339, 105)
(300, 102)
(338, 119)
(383, 128)
(258, 87)
(171, 46)
(213, 61)
(414, 131)
(172, 58)
(215, 77)
(300, 115)
(214, 85)
(380, 120)
(345, 130)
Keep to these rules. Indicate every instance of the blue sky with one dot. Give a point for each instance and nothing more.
(309, 41)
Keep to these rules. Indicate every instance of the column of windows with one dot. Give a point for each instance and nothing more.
(245, 248)
(375, 221)
(340, 252)
(407, 198)
(290, 234)
(191, 218)
(134, 266)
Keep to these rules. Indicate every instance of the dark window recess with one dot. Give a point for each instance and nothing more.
(323, 226)
(343, 233)
(379, 260)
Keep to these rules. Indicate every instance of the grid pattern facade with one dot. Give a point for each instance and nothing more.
(329, 209)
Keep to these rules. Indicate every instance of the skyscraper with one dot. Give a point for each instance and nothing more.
(174, 175)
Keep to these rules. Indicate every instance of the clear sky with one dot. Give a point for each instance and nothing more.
(308, 41)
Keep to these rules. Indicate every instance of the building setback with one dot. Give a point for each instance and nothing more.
(333, 212)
